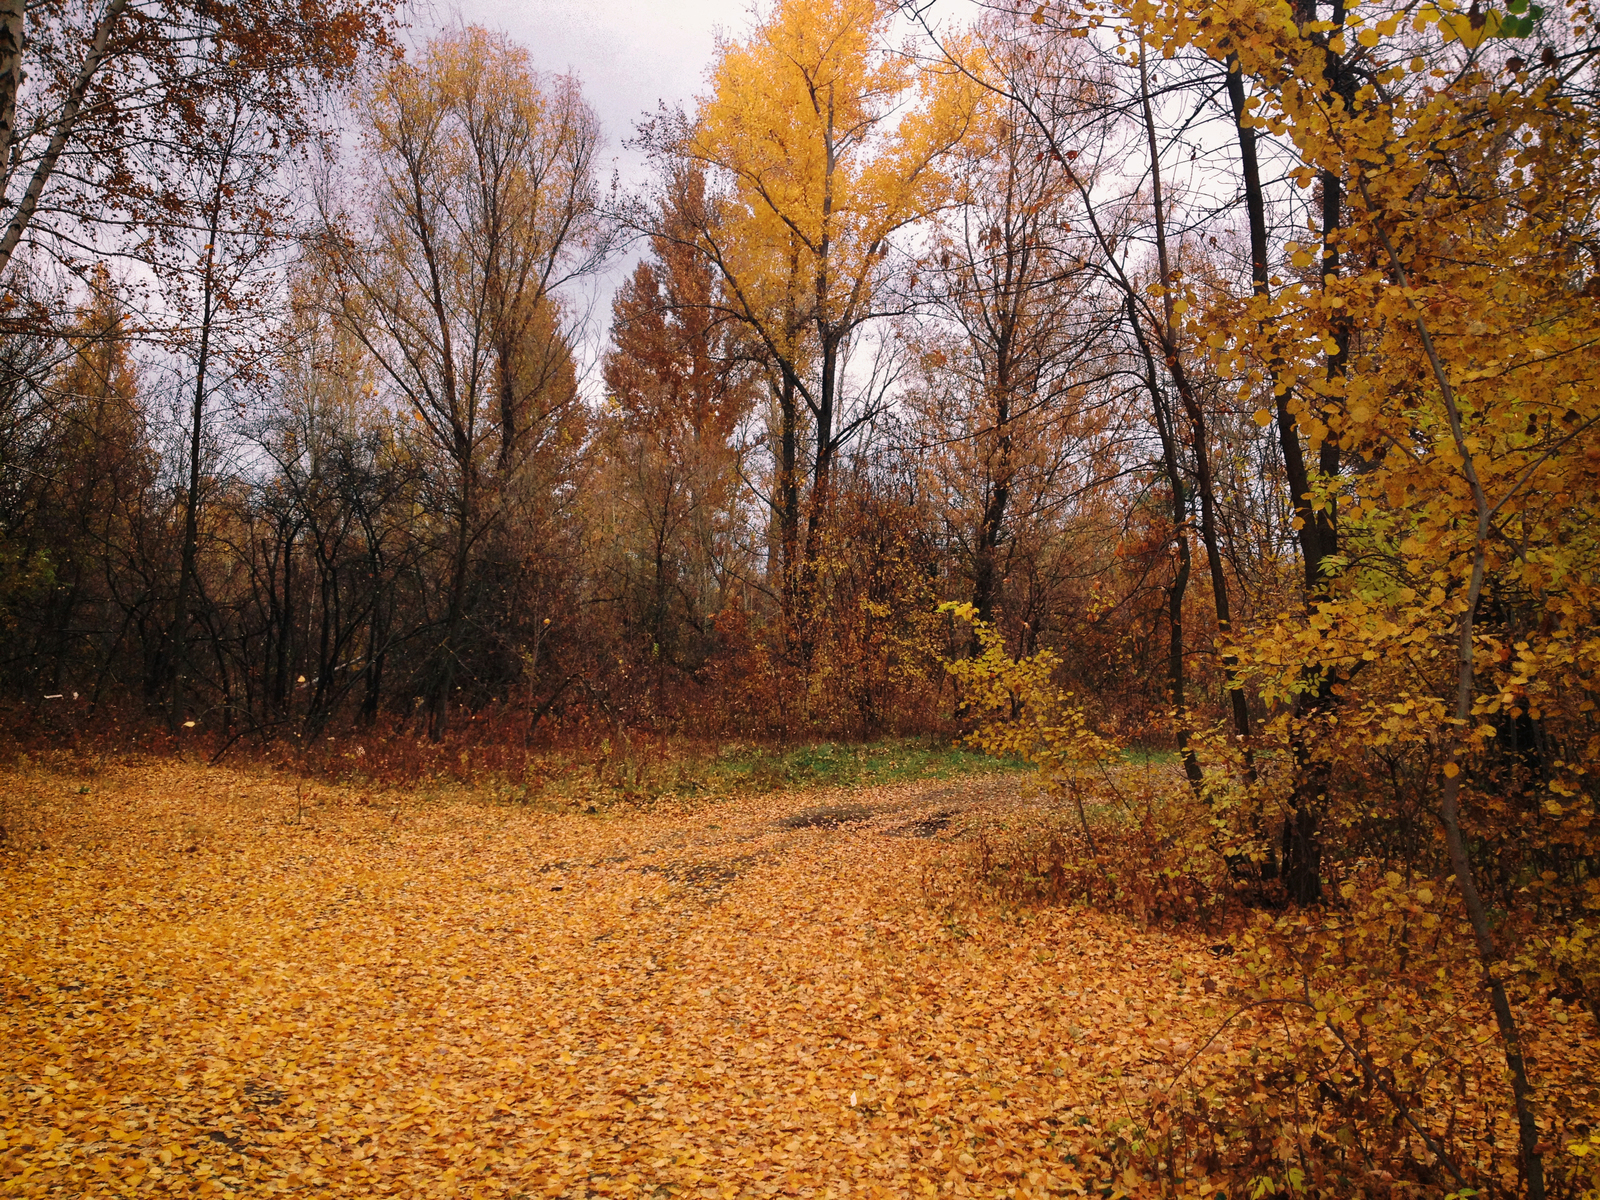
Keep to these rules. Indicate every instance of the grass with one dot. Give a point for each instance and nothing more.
(834, 764)
(635, 775)
(1147, 756)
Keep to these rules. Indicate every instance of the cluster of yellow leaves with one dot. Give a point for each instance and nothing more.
(1394, 976)
(1024, 714)
(1475, 182)
(826, 144)
(1465, 410)
(216, 986)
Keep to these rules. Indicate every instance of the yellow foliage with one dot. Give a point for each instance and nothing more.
(1023, 713)
(827, 143)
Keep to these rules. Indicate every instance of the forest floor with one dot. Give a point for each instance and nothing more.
(219, 982)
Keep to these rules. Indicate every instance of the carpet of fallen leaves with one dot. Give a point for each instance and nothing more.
(221, 983)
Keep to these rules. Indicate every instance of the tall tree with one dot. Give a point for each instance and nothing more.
(1052, 98)
(217, 275)
(1023, 340)
(680, 387)
(820, 143)
(74, 480)
(479, 199)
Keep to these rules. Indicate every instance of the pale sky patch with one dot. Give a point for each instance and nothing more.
(631, 55)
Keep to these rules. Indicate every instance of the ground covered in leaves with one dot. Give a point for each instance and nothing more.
(225, 983)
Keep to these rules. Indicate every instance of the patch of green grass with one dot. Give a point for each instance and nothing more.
(607, 775)
(837, 764)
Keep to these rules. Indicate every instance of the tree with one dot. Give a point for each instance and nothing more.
(1450, 363)
(74, 478)
(326, 544)
(820, 145)
(1023, 340)
(1044, 87)
(96, 100)
(218, 279)
(680, 387)
(478, 201)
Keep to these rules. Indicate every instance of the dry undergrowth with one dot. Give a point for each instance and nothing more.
(217, 983)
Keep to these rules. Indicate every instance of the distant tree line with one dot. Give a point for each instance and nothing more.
(312, 449)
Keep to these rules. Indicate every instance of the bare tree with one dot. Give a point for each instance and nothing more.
(217, 277)
(99, 100)
(479, 199)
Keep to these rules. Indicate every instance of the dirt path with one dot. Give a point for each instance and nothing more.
(199, 995)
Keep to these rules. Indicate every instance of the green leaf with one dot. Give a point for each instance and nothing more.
(1520, 26)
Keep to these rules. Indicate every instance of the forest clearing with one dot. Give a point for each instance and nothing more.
(821, 597)
(218, 982)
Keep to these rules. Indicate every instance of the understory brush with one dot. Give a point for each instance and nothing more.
(490, 755)
(1140, 864)
(1354, 1050)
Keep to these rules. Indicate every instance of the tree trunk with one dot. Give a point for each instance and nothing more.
(13, 16)
(1180, 537)
(821, 498)
(506, 352)
(1316, 531)
(985, 581)
(66, 121)
(822, 460)
(1450, 793)
(1204, 485)
(985, 570)
(283, 686)
(178, 641)
(445, 664)
(789, 489)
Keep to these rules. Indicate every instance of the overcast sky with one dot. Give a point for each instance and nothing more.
(630, 54)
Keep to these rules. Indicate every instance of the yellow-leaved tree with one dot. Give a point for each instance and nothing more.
(479, 199)
(820, 142)
(1438, 334)
(1424, 344)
